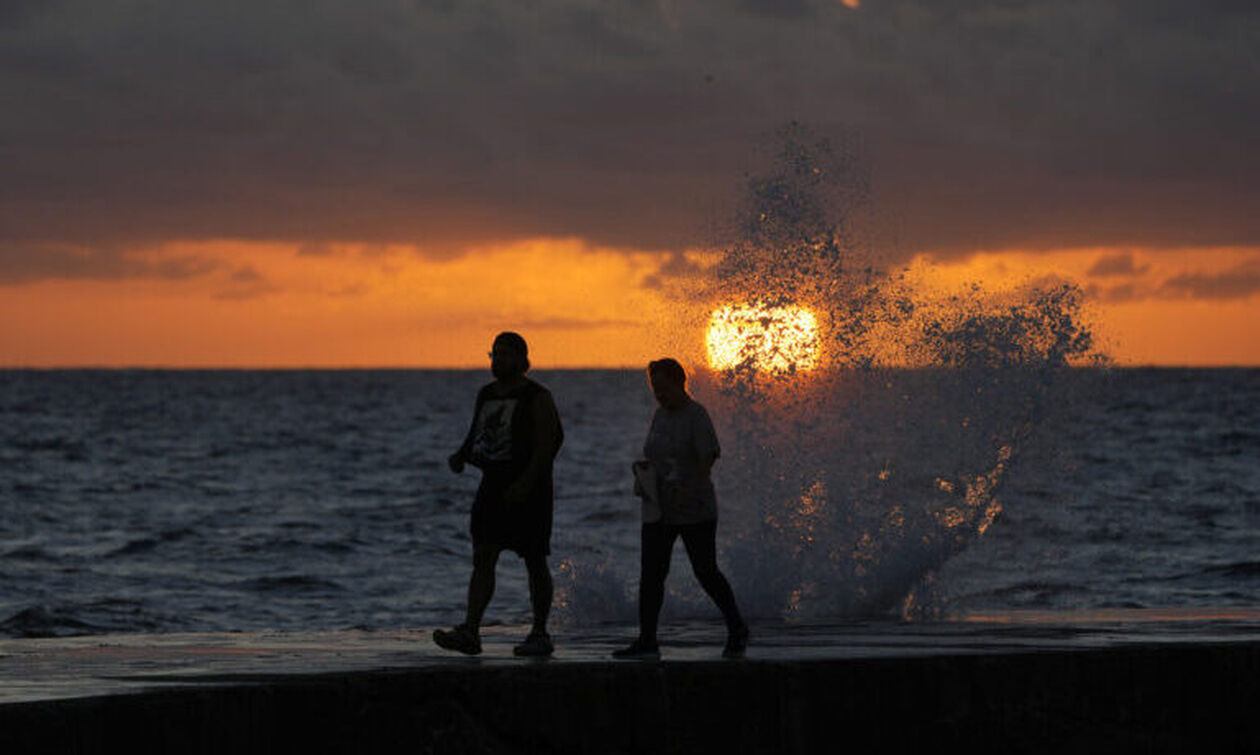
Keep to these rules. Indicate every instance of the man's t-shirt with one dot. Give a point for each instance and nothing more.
(501, 443)
(501, 439)
(679, 445)
(492, 431)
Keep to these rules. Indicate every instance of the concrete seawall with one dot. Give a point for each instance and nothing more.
(1163, 698)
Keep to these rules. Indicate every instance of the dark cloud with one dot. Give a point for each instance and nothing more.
(246, 274)
(677, 265)
(780, 8)
(244, 293)
(1122, 292)
(26, 262)
(349, 291)
(245, 282)
(15, 13)
(1116, 264)
(1239, 282)
(314, 249)
(441, 124)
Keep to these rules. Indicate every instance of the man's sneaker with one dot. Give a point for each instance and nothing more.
(736, 643)
(638, 651)
(536, 645)
(461, 639)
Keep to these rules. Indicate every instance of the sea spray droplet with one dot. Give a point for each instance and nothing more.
(859, 456)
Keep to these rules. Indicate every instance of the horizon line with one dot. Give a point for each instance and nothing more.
(467, 368)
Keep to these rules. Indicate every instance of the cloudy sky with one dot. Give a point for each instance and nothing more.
(335, 182)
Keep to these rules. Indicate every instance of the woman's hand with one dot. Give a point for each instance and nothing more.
(456, 462)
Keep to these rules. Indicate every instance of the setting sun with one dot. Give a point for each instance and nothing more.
(767, 339)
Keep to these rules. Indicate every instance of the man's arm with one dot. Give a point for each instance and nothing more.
(457, 460)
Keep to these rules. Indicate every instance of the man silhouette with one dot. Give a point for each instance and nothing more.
(514, 438)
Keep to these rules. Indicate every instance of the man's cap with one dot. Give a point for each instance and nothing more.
(513, 341)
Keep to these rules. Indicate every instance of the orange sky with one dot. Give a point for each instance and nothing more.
(267, 305)
(385, 183)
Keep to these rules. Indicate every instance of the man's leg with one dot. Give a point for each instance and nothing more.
(701, 542)
(466, 637)
(541, 591)
(481, 585)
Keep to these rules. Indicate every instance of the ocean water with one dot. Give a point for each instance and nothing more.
(170, 501)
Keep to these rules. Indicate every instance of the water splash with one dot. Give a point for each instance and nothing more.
(847, 481)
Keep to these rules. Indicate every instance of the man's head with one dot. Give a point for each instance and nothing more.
(669, 382)
(509, 356)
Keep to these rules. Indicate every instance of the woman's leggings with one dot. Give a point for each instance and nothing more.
(657, 547)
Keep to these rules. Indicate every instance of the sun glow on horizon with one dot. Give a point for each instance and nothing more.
(258, 304)
(767, 339)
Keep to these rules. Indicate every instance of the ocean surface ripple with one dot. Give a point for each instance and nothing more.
(160, 501)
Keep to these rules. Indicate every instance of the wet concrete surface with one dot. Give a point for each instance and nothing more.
(1118, 681)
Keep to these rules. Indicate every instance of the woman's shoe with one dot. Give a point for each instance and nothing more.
(536, 645)
(639, 651)
(736, 643)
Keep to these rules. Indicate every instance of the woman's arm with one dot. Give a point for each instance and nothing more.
(706, 442)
